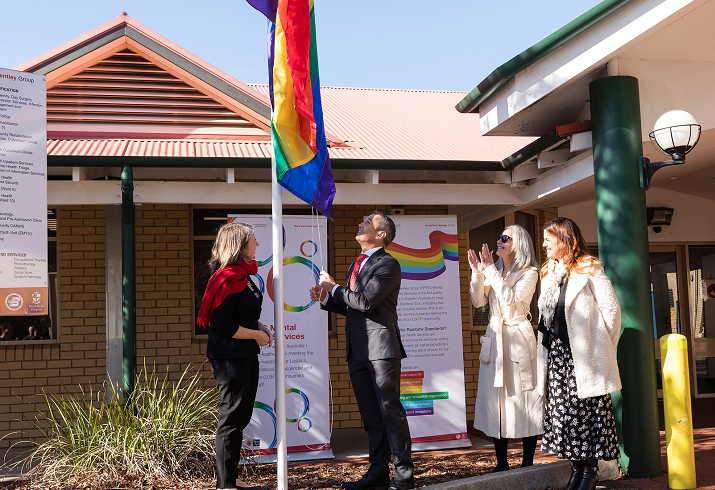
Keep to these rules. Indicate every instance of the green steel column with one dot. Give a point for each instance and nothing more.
(129, 311)
(623, 248)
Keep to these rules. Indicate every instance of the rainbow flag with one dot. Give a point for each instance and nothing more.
(423, 264)
(297, 129)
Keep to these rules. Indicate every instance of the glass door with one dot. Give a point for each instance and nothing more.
(702, 313)
(665, 299)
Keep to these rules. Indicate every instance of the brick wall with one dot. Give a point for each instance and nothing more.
(164, 310)
(164, 286)
(80, 356)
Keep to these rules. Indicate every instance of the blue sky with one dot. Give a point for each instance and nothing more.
(410, 44)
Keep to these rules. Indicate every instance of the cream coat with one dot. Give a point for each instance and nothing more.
(593, 322)
(507, 368)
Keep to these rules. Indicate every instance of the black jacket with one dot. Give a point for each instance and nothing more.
(239, 309)
(371, 309)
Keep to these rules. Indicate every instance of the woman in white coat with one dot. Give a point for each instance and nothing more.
(508, 405)
(580, 322)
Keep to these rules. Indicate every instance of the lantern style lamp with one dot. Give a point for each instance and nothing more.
(675, 134)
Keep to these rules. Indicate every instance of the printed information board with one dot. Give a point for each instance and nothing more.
(306, 373)
(23, 193)
(430, 318)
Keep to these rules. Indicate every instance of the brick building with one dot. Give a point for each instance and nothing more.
(198, 142)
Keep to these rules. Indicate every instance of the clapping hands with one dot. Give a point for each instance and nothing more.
(479, 264)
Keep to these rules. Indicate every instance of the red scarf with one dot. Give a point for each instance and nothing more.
(227, 280)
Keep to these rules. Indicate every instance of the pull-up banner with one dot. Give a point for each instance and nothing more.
(306, 342)
(23, 193)
(430, 320)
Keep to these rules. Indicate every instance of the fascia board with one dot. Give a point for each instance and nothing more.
(576, 59)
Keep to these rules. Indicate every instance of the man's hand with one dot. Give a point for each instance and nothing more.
(326, 281)
(268, 332)
(318, 294)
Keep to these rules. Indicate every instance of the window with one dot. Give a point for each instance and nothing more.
(38, 327)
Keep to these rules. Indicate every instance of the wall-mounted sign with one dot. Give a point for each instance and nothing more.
(23, 193)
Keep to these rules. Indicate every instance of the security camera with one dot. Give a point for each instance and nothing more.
(657, 229)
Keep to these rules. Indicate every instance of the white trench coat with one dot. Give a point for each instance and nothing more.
(508, 403)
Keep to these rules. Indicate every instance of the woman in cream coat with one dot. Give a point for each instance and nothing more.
(508, 405)
(580, 322)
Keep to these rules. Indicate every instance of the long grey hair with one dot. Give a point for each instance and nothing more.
(231, 241)
(523, 248)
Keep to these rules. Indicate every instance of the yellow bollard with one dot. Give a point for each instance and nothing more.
(678, 415)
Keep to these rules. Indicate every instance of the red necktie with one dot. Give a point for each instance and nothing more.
(356, 269)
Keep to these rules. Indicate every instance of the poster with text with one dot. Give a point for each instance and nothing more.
(430, 319)
(23, 193)
(306, 341)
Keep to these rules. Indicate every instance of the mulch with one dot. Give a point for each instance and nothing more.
(430, 468)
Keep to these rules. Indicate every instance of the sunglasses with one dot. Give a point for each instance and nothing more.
(503, 238)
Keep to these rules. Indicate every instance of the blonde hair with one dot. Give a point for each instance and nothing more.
(576, 256)
(231, 241)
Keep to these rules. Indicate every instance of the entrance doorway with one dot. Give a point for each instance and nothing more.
(701, 262)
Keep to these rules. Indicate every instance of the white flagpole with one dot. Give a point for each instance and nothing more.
(282, 444)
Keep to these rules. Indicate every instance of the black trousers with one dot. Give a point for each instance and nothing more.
(377, 390)
(237, 382)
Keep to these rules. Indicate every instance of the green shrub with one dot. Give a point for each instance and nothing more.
(164, 429)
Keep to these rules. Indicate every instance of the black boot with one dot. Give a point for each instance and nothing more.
(577, 467)
(528, 445)
(500, 448)
(590, 475)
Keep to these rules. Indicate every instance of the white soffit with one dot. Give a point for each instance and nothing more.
(576, 60)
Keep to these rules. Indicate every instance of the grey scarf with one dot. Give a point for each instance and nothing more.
(549, 297)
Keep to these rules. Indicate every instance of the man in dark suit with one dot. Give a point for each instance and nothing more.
(374, 352)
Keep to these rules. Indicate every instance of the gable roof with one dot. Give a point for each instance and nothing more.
(121, 90)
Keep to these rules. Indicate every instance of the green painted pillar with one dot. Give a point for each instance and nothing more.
(129, 311)
(623, 248)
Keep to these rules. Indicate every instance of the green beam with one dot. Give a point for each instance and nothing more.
(129, 311)
(239, 162)
(623, 248)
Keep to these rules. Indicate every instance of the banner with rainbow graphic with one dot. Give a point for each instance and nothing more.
(306, 342)
(430, 319)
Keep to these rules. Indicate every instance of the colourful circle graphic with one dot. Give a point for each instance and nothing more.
(261, 283)
(308, 242)
(288, 261)
(301, 425)
(267, 408)
(306, 404)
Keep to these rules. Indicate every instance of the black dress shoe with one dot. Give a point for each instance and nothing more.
(367, 483)
(402, 484)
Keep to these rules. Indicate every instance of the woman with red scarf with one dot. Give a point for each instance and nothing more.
(230, 309)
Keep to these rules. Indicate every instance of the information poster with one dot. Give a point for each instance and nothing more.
(430, 319)
(23, 194)
(306, 341)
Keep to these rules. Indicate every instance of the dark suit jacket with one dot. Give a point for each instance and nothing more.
(371, 309)
(238, 309)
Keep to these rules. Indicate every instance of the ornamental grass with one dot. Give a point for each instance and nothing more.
(165, 429)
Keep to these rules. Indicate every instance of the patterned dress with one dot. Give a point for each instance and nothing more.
(574, 428)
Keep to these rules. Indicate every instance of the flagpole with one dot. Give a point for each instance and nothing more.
(282, 444)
